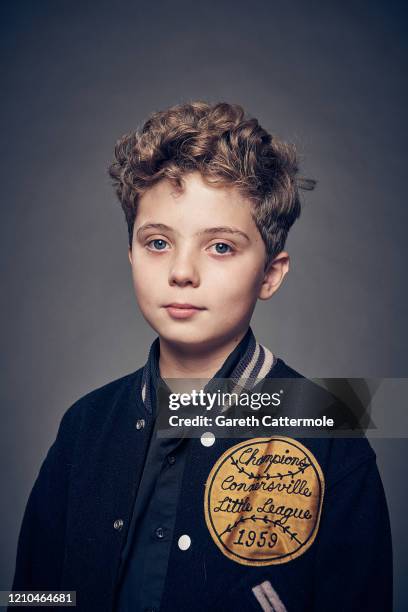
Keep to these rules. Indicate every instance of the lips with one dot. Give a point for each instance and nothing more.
(183, 306)
(178, 310)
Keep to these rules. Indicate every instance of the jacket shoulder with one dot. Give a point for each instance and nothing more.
(96, 405)
(109, 390)
(340, 455)
(281, 369)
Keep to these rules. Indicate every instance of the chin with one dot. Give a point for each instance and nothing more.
(187, 336)
(182, 335)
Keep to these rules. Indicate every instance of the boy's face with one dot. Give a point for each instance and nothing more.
(199, 247)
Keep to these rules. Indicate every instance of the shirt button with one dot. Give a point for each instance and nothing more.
(184, 542)
(118, 524)
(159, 533)
(171, 459)
(208, 438)
(140, 423)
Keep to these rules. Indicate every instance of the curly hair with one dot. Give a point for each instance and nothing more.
(228, 148)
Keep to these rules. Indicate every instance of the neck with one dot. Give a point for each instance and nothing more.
(180, 362)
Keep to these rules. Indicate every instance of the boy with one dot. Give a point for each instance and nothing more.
(133, 521)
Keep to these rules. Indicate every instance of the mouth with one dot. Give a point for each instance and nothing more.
(186, 306)
(182, 311)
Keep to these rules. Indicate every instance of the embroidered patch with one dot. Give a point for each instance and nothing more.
(263, 500)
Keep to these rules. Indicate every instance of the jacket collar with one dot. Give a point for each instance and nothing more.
(249, 360)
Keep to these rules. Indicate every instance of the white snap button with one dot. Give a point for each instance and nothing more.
(184, 542)
(208, 438)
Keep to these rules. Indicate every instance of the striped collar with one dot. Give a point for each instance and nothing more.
(248, 362)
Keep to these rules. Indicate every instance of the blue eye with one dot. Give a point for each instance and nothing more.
(158, 243)
(224, 248)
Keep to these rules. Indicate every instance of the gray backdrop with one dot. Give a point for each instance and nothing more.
(77, 75)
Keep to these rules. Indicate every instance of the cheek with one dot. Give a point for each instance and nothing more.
(147, 270)
(239, 283)
(143, 285)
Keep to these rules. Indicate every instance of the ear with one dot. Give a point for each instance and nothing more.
(130, 255)
(274, 275)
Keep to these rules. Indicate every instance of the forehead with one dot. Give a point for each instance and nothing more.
(197, 203)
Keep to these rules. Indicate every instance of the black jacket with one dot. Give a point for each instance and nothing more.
(79, 510)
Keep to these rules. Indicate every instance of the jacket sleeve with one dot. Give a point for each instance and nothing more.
(353, 569)
(40, 549)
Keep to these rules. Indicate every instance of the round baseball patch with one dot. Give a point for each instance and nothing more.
(263, 500)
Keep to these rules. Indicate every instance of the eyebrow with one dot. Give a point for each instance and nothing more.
(222, 229)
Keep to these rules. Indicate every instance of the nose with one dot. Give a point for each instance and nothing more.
(183, 270)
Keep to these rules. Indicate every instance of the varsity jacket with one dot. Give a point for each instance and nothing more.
(316, 536)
